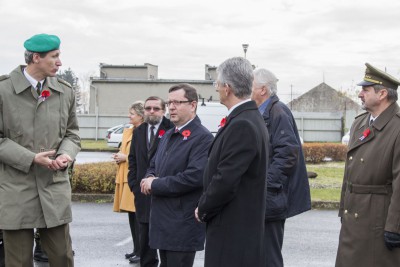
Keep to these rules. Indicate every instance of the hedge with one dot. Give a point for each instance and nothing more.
(94, 178)
(317, 152)
(99, 178)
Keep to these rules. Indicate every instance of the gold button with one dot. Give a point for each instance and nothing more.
(362, 160)
(356, 215)
(351, 158)
(345, 212)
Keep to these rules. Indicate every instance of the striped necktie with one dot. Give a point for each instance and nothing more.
(38, 88)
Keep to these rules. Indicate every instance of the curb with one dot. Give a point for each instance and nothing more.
(98, 198)
(109, 198)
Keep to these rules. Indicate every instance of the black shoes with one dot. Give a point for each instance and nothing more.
(39, 254)
(134, 259)
(2, 263)
(129, 255)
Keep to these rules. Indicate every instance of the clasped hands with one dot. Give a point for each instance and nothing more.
(59, 163)
(119, 157)
(145, 185)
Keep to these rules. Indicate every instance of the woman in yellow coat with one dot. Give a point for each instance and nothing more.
(124, 198)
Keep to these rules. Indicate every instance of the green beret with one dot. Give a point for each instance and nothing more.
(375, 76)
(42, 43)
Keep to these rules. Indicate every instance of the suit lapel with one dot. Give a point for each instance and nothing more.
(377, 126)
(243, 107)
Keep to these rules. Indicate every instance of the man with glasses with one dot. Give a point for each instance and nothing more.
(174, 180)
(145, 141)
(233, 202)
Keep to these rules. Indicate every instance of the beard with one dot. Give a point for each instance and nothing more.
(152, 120)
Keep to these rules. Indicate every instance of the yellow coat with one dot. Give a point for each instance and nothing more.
(124, 198)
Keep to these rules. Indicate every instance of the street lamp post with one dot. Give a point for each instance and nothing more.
(245, 46)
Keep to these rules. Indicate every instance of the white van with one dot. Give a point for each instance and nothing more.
(211, 114)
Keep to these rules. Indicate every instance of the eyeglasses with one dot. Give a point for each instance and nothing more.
(216, 84)
(177, 102)
(152, 108)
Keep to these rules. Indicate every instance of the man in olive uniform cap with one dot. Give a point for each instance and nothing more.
(38, 142)
(370, 199)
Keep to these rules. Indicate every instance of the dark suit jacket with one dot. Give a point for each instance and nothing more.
(233, 202)
(288, 187)
(179, 165)
(139, 160)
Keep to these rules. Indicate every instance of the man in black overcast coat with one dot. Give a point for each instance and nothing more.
(139, 160)
(233, 202)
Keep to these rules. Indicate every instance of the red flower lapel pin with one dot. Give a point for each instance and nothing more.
(161, 133)
(186, 134)
(365, 134)
(45, 94)
(222, 123)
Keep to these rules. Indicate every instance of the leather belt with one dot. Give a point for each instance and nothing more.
(42, 149)
(369, 189)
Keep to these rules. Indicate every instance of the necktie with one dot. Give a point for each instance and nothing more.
(38, 88)
(370, 122)
(151, 135)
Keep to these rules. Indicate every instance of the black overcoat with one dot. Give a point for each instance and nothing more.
(139, 161)
(288, 187)
(233, 202)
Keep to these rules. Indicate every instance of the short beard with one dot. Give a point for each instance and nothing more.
(152, 121)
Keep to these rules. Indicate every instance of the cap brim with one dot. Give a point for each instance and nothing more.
(365, 83)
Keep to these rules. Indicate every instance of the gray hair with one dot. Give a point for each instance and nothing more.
(237, 72)
(392, 93)
(29, 56)
(138, 107)
(266, 78)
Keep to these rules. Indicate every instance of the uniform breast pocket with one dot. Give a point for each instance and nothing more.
(15, 134)
(61, 176)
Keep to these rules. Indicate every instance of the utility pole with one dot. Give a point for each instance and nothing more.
(245, 46)
(291, 96)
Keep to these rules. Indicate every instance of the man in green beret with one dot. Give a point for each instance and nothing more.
(370, 199)
(38, 142)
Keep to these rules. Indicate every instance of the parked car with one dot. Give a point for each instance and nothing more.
(114, 138)
(346, 138)
(112, 129)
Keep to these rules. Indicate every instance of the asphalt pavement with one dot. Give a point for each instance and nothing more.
(101, 237)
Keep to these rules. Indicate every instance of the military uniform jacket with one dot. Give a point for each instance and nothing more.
(32, 196)
(370, 200)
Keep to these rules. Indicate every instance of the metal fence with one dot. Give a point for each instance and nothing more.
(313, 127)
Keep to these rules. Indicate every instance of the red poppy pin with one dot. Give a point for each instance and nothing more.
(365, 134)
(161, 133)
(222, 123)
(186, 134)
(45, 94)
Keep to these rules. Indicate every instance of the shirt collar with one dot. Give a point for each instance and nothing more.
(238, 104)
(32, 80)
(264, 105)
(180, 128)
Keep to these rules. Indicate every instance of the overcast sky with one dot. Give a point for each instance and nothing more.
(302, 42)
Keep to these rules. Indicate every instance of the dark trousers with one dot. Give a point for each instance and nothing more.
(2, 262)
(273, 240)
(177, 258)
(148, 256)
(56, 241)
(134, 225)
